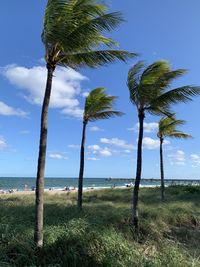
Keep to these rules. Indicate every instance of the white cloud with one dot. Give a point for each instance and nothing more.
(97, 150)
(65, 87)
(57, 156)
(11, 111)
(148, 127)
(85, 94)
(177, 158)
(117, 142)
(195, 160)
(74, 112)
(94, 147)
(150, 143)
(95, 129)
(105, 152)
(3, 143)
(127, 151)
(93, 158)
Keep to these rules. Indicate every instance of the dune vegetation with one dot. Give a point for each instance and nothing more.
(101, 234)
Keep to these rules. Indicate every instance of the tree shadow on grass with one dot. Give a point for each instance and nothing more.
(86, 238)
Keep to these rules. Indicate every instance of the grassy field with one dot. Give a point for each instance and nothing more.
(101, 235)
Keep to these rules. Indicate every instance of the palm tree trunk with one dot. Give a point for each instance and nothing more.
(39, 202)
(138, 171)
(80, 181)
(162, 171)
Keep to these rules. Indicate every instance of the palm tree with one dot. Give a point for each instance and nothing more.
(71, 35)
(167, 128)
(149, 92)
(98, 105)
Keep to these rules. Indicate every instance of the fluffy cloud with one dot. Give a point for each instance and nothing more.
(105, 152)
(117, 142)
(57, 156)
(127, 151)
(85, 94)
(94, 147)
(74, 112)
(95, 129)
(3, 143)
(74, 146)
(97, 150)
(93, 158)
(66, 86)
(10, 111)
(195, 160)
(150, 143)
(177, 158)
(148, 127)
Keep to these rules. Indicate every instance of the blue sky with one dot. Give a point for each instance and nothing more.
(154, 29)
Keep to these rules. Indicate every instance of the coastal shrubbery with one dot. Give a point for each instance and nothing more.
(101, 235)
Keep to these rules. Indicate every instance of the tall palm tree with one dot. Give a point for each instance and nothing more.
(98, 106)
(149, 92)
(72, 34)
(167, 128)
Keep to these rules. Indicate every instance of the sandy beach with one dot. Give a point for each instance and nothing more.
(63, 191)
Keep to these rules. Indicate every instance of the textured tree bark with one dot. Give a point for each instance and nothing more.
(81, 171)
(162, 171)
(138, 171)
(39, 202)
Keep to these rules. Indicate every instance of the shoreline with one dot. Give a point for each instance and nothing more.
(60, 190)
(75, 190)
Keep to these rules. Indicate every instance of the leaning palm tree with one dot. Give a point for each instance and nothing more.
(98, 106)
(167, 128)
(149, 92)
(72, 34)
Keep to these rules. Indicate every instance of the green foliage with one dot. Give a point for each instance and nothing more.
(101, 234)
(74, 29)
(167, 128)
(99, 105)
(149, 87)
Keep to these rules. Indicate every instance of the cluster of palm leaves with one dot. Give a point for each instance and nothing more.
(98, 105)
(73, 36)
(167, 128)
(150, 92)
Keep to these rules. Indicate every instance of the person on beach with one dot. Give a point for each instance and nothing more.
(25, 187)
(66, 188)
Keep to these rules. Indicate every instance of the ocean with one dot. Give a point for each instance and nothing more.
(19, 183)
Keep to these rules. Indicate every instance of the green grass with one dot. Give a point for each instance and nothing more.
(101, 235)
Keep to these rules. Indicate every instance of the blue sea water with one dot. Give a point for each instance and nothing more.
(19, 183)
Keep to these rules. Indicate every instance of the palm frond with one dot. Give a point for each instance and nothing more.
(159, 111)
(168, 124)
(181, 94)
(133, 81)
(150, 88)
(99, 105)
(167, 128)
(73, 31)
(105, 115)
(154, 72)
(164, 81)
(179, 135)
(95, 59)
(104, 22)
